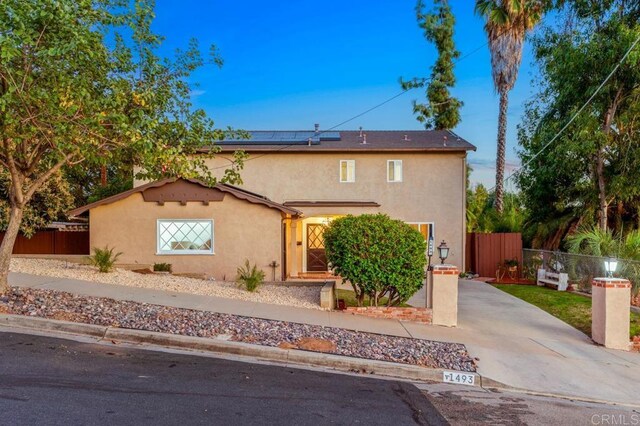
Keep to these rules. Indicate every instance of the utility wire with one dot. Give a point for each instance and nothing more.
(397, 95)
(577, 113)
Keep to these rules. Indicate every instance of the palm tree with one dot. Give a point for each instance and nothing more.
(506, 24)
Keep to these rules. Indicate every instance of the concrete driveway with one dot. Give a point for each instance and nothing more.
(521, 345)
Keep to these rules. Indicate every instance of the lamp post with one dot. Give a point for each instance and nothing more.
(610, 266)
(443, 251)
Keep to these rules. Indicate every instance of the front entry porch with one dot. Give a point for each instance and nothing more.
(305, 254)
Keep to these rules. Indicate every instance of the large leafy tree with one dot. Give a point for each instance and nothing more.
(507, 23)
(442, 110)
(81, 85)
(589, 173)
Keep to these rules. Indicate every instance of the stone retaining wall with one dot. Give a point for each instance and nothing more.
(421, 315)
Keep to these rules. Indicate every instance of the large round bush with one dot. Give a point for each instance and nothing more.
(379, 256)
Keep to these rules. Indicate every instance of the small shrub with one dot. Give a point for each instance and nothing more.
(250, 276)
(379, 256)
(510, 263)
(162, 267)
(104, 258)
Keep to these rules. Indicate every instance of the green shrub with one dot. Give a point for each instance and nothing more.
(379, 256)
(104, 258)
(250, 276)
(162, 267)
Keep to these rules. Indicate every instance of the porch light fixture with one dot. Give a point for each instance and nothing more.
(443, 251)
(610, 266)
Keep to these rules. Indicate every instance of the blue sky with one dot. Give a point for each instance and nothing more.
(290, 64)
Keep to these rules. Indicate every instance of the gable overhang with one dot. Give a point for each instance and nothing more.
(185, 191)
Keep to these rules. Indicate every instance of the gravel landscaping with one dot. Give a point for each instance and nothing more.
(142, 316)
(302, 297)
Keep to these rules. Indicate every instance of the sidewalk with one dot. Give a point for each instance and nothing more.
(517, 343)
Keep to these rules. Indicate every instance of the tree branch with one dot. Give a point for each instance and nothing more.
(45, 176)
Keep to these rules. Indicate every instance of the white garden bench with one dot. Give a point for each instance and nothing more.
(561, 280)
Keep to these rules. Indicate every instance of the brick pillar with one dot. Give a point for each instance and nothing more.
(444, 295)
(610, 312)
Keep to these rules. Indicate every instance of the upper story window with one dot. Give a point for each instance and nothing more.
(347, 170)
(185, 236)
(394, 170)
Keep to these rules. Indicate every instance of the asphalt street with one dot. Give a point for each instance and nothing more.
(50, 381)
(54, 381)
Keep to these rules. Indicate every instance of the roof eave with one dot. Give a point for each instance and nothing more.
(236, 192)
(299, 150)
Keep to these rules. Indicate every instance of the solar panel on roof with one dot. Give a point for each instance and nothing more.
(284, 137)
(330, 136)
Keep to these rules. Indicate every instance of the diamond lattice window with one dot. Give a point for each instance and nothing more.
(185, 236)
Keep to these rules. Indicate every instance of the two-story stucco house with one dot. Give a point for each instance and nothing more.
(294, 182)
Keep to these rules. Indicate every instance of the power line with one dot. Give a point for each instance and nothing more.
(397, 95)
(577, 113)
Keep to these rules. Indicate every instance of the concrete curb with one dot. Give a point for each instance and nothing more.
(271, 354)
(267, 353)
(44, 324)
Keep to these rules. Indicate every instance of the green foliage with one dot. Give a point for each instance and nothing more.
(250, 276)
(104, 258)
(350, 299)
(379, 256)
(49, 204)
(82, 85)
(594, 241)
(511, 262)
(482, 217)
(162, 267)
(442, 110)
(86, 186)
(589, 174)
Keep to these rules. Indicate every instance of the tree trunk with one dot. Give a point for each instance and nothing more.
(603, 218)
(103, 176)
(502, 145)
(6, 248)
(619, 220)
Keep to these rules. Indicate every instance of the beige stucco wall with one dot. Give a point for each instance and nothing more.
(241, 230)
(610, 317)
(432, 190)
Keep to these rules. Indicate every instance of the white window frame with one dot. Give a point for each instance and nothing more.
(160, 252)
(353, 177)
(394, 171)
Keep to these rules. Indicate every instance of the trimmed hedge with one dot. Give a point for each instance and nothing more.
(379, 256)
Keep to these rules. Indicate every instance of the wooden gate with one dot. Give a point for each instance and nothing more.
(485, 251)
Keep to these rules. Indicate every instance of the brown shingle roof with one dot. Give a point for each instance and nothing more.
(233, 190)
(350, 141)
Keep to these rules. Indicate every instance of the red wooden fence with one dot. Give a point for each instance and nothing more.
(485, 251)
(52, 242)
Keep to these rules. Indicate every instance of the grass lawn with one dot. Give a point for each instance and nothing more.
(350, 298)
(571, 308)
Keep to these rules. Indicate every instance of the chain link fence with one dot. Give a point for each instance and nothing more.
(582, 269)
